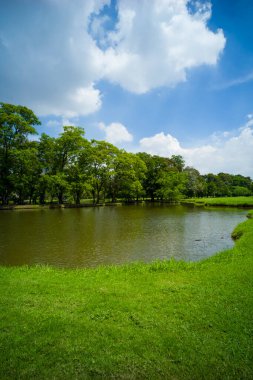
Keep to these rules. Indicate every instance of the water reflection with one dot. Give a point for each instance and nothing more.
(114, 235)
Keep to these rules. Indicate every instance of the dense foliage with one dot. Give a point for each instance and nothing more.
(70, 168)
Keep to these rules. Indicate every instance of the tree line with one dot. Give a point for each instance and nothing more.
(70, 168)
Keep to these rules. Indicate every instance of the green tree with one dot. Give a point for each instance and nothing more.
(128, 176)
(178, 162)
(195, 183)
(78, 174)
(240, 191)
(58, 186)
(212, 186)
(16, 124)
(102, 156)
(63, 153)
(155, 167)
(172, 186)
(42, 187)
(25, 172)
(46, 154)
(242, 182)
(67, 146)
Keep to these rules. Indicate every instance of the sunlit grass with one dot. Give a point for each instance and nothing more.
(171, 320)
(223, 201)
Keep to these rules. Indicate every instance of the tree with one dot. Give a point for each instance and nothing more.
(66, 150)
(25, 172)
(71, 167)
(46, 154)
(46, 157)
(101, 166)
(78, 175)
(241, 185)
(129, 172)
(16, 124)
(58, 186)
(195, 184)
(240, 191)
(155, 167)
(67, 146)
(178, 162)
(42, 186)
(171, 186)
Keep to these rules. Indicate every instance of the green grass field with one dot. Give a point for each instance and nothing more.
(166, 320)
(226, 201)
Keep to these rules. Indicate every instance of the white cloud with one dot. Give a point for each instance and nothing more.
(116, 133)
(50, 63)
(156, 42)
(161, 144)
(53, 55)
(227, 154)
(83, 101)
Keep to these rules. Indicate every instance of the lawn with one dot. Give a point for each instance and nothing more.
(224, 201)
(165, 320)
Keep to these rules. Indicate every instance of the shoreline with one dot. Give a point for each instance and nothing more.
(240, 202)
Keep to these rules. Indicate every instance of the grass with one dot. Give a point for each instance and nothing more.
(250, 214)
(165, 320)
(225, 201)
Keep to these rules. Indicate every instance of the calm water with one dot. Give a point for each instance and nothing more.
(89, 237)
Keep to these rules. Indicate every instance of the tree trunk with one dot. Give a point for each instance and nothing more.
(60, 197)
(93, 196)
(78, 199)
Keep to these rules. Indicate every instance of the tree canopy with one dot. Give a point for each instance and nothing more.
(69, 168)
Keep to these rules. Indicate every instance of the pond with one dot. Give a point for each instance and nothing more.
(89, 237)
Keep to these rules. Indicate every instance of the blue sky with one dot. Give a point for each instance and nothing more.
(161, 76)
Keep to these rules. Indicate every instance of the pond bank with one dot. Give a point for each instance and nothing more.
(244, 202)
(54, 206)
(162, 320)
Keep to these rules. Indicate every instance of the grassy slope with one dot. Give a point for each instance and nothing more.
(164, 320)
(226, 201)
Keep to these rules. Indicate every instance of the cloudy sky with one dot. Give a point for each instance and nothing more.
(161, 76)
